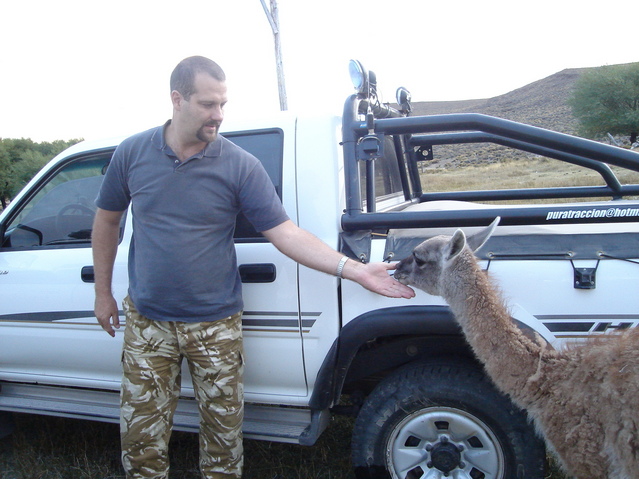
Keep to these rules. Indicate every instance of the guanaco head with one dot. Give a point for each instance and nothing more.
(424, 268)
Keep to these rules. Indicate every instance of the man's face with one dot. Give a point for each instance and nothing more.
(202, 114)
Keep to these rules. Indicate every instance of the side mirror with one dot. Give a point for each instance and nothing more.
(22, 236)
(403, 97)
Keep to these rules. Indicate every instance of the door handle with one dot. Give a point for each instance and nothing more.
(87, 274)
(258, 273)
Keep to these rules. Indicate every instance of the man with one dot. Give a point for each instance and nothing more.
(186, 186)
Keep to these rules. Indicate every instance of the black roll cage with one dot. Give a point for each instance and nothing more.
(426, 131)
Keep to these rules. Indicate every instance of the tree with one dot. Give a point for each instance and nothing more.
(22, 171)
(20, 159)
(5, 176)
(606, 100)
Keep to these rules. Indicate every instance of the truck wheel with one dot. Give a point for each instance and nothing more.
(443, 418)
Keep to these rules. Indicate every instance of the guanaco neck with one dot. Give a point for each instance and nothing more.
(510, 358)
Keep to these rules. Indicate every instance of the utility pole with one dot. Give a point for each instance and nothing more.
(273, 19)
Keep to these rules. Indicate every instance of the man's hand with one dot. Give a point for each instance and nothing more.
(375, 278)
(106, 311)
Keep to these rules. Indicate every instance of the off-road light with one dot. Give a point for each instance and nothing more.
(359, 77)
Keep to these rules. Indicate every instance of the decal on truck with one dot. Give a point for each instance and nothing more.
(593, 213)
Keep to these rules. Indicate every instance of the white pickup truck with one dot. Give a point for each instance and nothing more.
(315, 345)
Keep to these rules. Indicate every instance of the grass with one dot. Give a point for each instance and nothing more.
(527, 173)
(44, 447)
(60, 448)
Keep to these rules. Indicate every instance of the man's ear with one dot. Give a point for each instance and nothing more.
(176, 99)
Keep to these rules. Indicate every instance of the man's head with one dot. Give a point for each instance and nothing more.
(183, 76)
(198, 94)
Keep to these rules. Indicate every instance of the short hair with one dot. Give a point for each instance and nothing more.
(183, 76)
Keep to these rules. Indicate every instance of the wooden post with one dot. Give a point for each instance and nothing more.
(273, 19)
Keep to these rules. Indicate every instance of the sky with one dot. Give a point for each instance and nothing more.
(87, 69)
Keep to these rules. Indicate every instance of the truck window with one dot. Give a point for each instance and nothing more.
(489, 167)
(266, 146)
(62, 209)
(388, 184)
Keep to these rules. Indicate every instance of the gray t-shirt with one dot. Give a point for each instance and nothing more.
(182, 263)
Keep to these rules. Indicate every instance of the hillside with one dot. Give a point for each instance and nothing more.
(542, 103)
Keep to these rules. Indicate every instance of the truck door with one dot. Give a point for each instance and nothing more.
(272, 325)
(48, 332)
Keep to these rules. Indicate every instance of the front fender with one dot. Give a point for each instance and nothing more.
(386, 322)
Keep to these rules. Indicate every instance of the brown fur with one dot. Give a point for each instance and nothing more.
(584, 399)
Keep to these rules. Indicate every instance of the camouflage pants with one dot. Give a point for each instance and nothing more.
(151, 361)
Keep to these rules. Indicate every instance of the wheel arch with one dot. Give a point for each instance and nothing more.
(385, 339)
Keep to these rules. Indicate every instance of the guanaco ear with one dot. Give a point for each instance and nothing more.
(478, 240)
(456, 244)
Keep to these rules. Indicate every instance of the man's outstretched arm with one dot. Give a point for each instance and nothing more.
(305, 248)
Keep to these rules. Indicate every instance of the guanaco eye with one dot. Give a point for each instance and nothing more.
(420, 262)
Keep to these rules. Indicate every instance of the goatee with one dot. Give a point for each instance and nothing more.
(206, 137)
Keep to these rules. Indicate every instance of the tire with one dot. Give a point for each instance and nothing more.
(444, 418)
